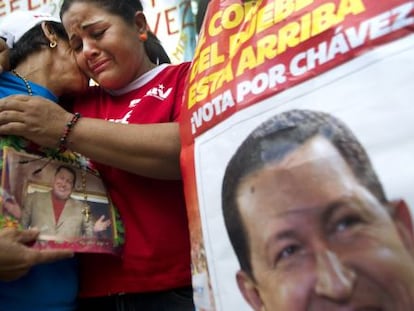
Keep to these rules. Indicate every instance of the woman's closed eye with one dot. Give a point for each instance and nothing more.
(98, 34)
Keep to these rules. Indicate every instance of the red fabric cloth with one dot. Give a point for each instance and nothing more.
(157, 246)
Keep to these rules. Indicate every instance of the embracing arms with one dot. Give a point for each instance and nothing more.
(150, 150)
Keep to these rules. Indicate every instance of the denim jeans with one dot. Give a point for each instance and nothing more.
(180, 299)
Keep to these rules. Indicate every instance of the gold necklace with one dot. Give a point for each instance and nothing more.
(26, 83)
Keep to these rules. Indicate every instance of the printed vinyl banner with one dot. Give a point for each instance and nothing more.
(298, 142)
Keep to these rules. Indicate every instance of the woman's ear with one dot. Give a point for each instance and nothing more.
(49, 33)
(141, 22)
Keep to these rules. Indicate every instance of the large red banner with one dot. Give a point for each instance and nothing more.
(256, 60)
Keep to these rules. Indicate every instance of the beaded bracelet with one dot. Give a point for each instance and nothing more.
(68, 128)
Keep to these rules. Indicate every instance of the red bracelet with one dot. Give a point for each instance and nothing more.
(63, 140)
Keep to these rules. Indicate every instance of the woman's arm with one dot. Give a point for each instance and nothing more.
(150, 150)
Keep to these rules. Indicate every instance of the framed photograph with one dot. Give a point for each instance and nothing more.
(67, 202)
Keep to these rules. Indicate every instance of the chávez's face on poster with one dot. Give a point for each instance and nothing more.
(63, 184)
(320, 241)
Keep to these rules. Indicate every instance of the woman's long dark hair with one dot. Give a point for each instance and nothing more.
(34, 40)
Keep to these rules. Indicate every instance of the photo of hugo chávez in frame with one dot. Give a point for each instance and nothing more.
(67, 204)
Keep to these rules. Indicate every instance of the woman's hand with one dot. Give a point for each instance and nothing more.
(16, 258)
(34, 118)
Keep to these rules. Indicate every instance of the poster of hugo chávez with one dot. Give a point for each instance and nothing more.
(298, 143)
(60, 195)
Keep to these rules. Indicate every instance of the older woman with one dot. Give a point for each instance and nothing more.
(42, 64)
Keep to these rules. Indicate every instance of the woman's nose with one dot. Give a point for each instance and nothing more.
(89, 49)
(333, 279)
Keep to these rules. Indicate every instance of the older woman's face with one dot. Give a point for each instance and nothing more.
(71, 78)
(106, 48)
